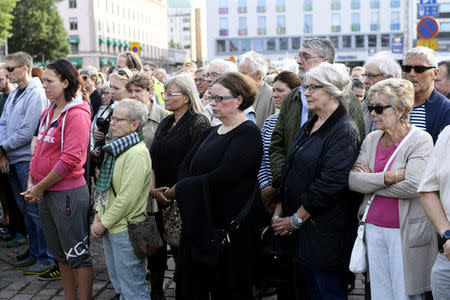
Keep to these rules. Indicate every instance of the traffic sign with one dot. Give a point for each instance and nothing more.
(135, 47)
(427, 28)
(427, 11)
(433, 44)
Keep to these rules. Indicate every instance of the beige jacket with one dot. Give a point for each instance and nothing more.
(264, 105)
(419, 240)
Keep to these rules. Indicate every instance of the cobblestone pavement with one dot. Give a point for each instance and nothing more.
(15, 285)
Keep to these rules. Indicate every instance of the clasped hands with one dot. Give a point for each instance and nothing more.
(163, 195)
(281, 226)
(33, 193)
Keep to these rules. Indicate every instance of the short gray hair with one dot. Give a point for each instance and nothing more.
(323, 47)
(136, 111)
(425, 51)
(335, 80)
(89, 70)
(387, 65)
(187, 86)
(228, 66)
(21, 58)
(256, 62)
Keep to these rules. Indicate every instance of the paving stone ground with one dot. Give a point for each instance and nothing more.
(16, 286)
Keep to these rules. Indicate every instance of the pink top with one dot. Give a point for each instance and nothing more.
(384, 210)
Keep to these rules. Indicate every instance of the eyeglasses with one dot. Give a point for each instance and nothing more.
(370, 76)
(312, 88)
(11, 69)
(305, 57)
(199, 79)
(219, 99)
(115, 120)
(212, 75)
(417, 69)
(378, 109)
(170, 95)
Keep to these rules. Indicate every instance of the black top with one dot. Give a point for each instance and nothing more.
(315, 175)
(96, 102)
(170, 145)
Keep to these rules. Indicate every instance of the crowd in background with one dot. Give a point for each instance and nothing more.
(231, 159)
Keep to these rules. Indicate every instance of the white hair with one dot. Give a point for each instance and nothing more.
(386, 64)
(430, 54)
(335, 80)
(256, 62)
(136, 111)
(228, 66)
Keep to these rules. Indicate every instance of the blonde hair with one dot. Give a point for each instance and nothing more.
(399, 91)
(122, 75)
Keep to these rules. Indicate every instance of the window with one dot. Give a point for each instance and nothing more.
(374, 21)
(261, 6)
(444, 7)
(372, 41)
(355, 22)
(335, 4)
(271, 46)
(307, 6)
(258, 45)
(186, 29)
(74, 48)
(73, 4)
(281, 6)
(223, 26)
(242, 7)
(308, 24)
(346, 41)
(335, 41)
(223, 6)
(355, 4)
(220, 46)
(245, 45)
(395, 3)
(395, 20)
(281, 24)
(336, 23)
(73, 23)
(283, 43)
(234, 45)
(242, 26)
(261, 25)
(359, 41)
(295, 43)
(374, 4)
(385, 40)
(444, 26)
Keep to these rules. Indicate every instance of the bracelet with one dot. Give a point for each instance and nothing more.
(294, 224)
(396, 179)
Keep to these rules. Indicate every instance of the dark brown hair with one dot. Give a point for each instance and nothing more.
(290, 78)
(239, 85)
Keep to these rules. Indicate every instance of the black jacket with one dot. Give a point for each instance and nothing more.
(315, 175)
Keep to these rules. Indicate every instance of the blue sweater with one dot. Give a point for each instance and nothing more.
(437, 109)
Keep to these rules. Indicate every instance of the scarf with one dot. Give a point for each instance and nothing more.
(112, 151)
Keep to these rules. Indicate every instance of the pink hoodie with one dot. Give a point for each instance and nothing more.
(62, 145)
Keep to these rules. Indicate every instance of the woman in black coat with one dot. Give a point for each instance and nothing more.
(315, 199)
(218, 185)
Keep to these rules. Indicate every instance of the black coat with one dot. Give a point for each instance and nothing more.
(315, 175)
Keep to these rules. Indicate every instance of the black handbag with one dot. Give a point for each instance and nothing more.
(145, 237)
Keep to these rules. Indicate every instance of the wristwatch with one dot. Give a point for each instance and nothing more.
(446, 235)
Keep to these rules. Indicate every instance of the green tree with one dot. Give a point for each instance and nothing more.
(6, 7)
(172, 44)
(38, 29)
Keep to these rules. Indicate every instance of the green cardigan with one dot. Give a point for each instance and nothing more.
(132, 181)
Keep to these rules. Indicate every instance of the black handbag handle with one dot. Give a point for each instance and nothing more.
(236, 222)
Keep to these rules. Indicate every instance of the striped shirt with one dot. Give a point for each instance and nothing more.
(418, 117)
(265, 175)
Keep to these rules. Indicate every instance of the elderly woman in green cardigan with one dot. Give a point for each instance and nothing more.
(121, 194)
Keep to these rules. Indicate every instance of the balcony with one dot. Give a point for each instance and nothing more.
(262, 31)
(373, 27)
(281, 8)
(356, 27)
(242, 31)
(281, 30)
(307, 7)
(335, 6)
(223, 32)
(242, 10)
(374, 4)
(223, 10)
(336, 28)
(395, 26)
(355, 5)
(308, 28)
(261, 9)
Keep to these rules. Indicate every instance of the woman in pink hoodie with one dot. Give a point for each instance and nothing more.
(57, 181)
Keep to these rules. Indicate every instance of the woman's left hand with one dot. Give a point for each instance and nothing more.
(283, 226)
(97, 228)
(361, 167)
(170, 193)
(33, 194)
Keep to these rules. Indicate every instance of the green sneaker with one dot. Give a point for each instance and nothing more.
(51, 274)
(18, 240)
(37, 269)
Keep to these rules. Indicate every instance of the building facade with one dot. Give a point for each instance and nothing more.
(358, 28)
(100, 29)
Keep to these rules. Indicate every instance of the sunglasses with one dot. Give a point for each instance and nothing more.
(417, 69)
(11, 69)
(378, 109)
(122, 73)
(84, 78)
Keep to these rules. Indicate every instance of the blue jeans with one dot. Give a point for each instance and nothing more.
(325, 284)
(440, 278)
(18, 176)
(125, 269)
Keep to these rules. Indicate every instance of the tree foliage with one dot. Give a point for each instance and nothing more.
(38, 29)
(6, 7)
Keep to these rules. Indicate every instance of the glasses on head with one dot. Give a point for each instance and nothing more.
(219, 99)
(11, 69)
(305, 57)
(170, 95)
(378, 108)
(371, 76)
(84, 77)
(212, 75)
(417, 69)
(115, 119)
(312, 88)
(121, 72)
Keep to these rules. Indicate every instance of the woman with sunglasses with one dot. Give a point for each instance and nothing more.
(89, 76)
(218, 191)
(129, 60)
(315, 212)
(401, 243)
(173, 139)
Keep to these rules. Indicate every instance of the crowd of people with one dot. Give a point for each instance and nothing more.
(223, 156)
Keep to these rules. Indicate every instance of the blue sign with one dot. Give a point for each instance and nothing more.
(427, 2)
(397, 45)
(427, 28)
(427, 11)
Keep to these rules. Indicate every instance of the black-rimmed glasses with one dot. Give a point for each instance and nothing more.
(219, 99)
(312, 88)
(378, 108)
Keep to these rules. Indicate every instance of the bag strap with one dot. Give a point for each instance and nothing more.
(234, 224)
(369, 203)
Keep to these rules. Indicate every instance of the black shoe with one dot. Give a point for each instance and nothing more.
(116, 297)
(51, 274)
(24, 255)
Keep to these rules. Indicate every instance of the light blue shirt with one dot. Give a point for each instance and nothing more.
(304, 106)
